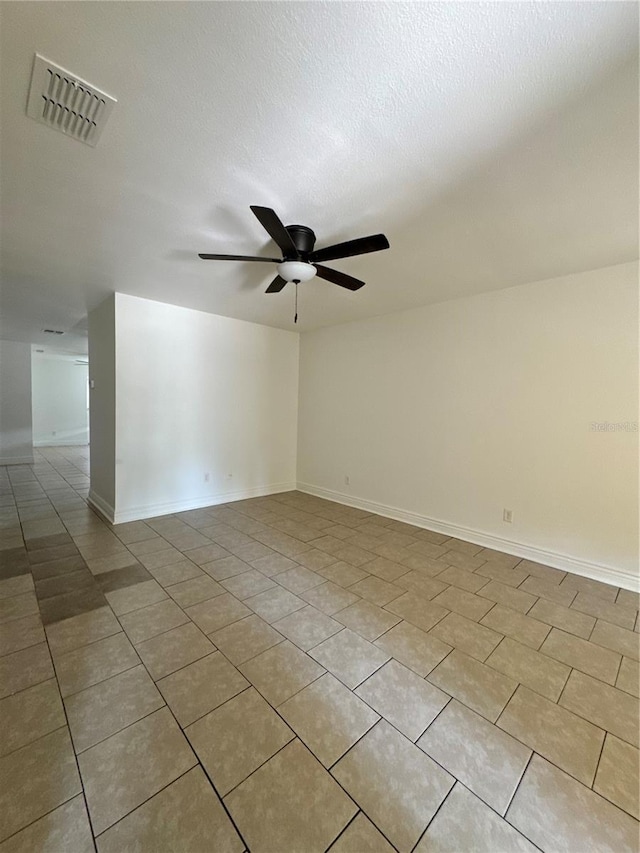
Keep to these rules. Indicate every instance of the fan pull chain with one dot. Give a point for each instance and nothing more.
(295, 319)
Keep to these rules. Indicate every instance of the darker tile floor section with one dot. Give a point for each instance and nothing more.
(64, 586)
(14, 562)
(289, 675)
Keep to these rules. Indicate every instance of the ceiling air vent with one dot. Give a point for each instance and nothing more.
(67, 103)
(53, 332)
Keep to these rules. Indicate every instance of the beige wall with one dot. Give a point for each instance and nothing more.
(59, 401)
(455, 411)
(102, 404)
(198, 394)
(16, 445)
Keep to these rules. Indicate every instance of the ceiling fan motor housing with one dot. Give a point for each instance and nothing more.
(300, 262)
(303, 238)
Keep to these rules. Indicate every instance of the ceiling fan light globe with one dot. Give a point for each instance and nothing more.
(296, 271)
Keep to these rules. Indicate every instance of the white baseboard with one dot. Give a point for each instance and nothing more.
(16, 460)
(52, 442)
(139, 513)
(105, 509)
(564, 562)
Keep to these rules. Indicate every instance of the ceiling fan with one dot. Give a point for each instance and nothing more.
(299, 261)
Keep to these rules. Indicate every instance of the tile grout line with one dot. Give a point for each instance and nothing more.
(36, 739)
(597, 767)
(506, 811)
(345, 828)
(91, 642)
(164, 787)
(51, 811)
(619, 667)
(571, 670)
(102, 680)
(433, 816)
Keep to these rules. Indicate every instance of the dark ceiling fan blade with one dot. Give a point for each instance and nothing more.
(340, 278)
(276, 285)
(276, 230)
(374, 243)
(207, 257)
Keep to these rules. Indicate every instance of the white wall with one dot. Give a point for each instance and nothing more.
(15, 403)
(200, 394)
(102, 405)
(450, 413)
(59, 401)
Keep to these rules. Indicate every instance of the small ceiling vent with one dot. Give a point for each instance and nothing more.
(53, 332)
(67, 103)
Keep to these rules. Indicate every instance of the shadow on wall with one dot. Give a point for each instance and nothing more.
(206, 408)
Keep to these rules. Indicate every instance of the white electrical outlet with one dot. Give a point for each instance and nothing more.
(507, 515)
(207, 476)
(346, 480)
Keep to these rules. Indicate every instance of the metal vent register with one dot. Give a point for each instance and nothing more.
(67, 103)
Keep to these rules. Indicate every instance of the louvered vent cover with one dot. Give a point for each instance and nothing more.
(67, 103)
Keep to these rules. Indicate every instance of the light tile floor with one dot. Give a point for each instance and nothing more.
(290, 675)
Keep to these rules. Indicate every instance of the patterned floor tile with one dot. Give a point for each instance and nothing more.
(237, 738)
(375, 774)
(120, 773)
(555, 811)
(273, 811)
(328, 718)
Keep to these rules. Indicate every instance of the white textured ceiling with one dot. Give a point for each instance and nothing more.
(493, 143)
